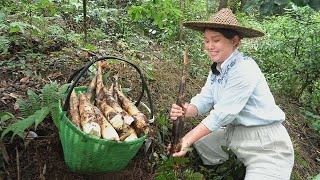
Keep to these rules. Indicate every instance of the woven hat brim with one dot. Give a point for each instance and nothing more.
(202, 25)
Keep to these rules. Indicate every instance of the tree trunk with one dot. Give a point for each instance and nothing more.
(304, 86)
(183, 7)
(243, 2)
(223, 4)
(85, 20)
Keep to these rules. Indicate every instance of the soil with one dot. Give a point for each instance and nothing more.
(42, 158)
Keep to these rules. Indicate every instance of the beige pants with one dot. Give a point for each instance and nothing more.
(266, 151)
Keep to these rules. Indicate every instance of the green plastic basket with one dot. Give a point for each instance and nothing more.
(84, 153)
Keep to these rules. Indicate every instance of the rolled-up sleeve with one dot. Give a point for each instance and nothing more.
(240, 84)
(204, 100)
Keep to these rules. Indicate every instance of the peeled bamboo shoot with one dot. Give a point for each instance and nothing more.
(128, 119)
(112, 115)
(115, 105)
(117, 122)
(107, 131)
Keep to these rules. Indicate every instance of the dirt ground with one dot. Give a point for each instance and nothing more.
(42, 158)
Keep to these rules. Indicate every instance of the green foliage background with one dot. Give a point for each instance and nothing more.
(288, 54)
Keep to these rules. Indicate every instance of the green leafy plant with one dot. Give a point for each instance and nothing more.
(22, 27)
(317, 177)
(157, 145)
(314, 4)
(314, 120)
(175, 168)
(233, 168)
(4, 44)
(161, 17)
(289, 53)
(4, 116)
(268, 7)
(36, 108)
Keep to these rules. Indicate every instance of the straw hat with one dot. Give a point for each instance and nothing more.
(223, 19)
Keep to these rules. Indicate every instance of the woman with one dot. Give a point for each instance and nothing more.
(237, 96)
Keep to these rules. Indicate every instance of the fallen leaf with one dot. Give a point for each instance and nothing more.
(2, 89)
(13, 95)
(3, 101)
(5, 96)
(25, 79)
(54, 75)
(3, 83)
(106, 65)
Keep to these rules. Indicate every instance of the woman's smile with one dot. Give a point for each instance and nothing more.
(213, 53)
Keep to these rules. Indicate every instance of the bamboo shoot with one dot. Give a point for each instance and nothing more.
(87, 117)
(74, 109)
(99, 79)
(112, 115)
(91, 88)
(133, 135)
(139, 118)
(107, 130)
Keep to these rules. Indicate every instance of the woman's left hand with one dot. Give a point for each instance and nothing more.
(185, 146)
(192, 136)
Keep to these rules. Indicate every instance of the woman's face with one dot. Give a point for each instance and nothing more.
(219, 47)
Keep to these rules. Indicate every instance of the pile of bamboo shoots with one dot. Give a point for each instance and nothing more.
(106, 112)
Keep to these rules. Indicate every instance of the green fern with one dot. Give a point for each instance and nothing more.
(63, 90)
(4, 44)
(25, 107)
(49, 94)
(4, 116)
(19, 127)
(55, 115)
(35, 100)
(22, 27)
(36, 108)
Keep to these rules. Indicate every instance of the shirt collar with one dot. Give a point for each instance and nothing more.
(222, 65)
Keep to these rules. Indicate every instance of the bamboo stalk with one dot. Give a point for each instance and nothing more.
(179, 122)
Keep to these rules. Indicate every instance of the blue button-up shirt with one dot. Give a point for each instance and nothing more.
(238, 95)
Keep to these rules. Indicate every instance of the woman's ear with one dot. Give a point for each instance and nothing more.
(236, 41)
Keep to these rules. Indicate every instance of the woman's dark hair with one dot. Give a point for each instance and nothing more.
(227, 33)
(214, 68)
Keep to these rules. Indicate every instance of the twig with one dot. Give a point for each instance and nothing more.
(43, 172)
(18, 164)
(88, 51)
(5, 154)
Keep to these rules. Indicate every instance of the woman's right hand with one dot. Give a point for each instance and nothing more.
(177, 111)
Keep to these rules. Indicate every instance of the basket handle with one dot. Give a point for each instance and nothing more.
(81, 71)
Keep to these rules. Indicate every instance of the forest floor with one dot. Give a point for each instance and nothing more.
(42, 158)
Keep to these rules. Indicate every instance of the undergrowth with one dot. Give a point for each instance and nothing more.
(36, 108)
